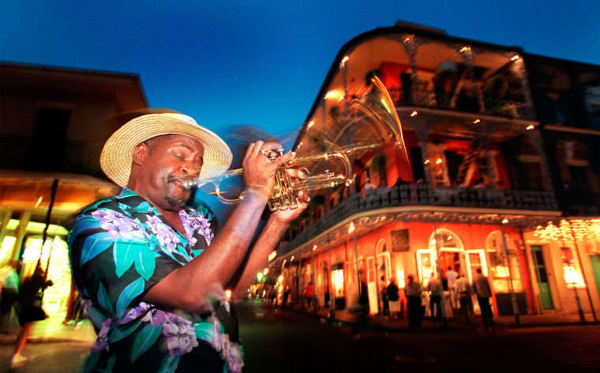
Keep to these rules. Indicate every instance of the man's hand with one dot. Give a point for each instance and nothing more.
(286, 216)
(259, 169)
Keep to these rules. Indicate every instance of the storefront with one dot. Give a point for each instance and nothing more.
(53, 258)
(395, 249)
(566, 265)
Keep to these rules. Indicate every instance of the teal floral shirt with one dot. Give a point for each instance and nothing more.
(119, 248)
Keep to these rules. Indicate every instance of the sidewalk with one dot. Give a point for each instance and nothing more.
(53, 330)
(503, 322)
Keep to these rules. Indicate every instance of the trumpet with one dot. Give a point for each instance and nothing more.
(327, 148)
(325, 170)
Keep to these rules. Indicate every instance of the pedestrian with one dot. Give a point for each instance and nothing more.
(482, 289)
(385, 302)
(362, 310)
(309, 293)
(436, 290)
(9, 292)
(151, 267)
(29, 306)
(464, 291)
(286, 295)
(273, 296)
(394, 298)
(451, 276)
(413, 291)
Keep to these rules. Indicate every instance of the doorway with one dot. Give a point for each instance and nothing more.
(595, 259)
(542, 277)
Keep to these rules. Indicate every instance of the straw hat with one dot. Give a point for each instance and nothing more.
(117, 154)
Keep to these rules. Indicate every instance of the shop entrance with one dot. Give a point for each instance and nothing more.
(542, 277)
(450, 259)
(451, 254)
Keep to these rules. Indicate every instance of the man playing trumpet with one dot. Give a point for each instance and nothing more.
(150, 269)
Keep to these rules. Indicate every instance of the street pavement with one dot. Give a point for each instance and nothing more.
(54, 347)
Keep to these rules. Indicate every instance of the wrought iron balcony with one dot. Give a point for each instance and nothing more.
(426, 195)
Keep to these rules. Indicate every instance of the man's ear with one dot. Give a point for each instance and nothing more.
(140, 152)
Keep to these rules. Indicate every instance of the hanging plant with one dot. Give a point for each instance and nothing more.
(495, 87)
(378, 166)
(378, 162)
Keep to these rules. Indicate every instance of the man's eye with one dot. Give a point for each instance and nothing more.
(178, 156)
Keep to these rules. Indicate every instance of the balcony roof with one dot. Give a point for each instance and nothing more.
(24, 191)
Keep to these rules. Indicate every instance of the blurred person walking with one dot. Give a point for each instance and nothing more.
(464, 291)
(435, 298)
(482, 289)
(29, 306)
(413, 292)
(309, 293)
(394, 299)
(452, 276)
(9, 286)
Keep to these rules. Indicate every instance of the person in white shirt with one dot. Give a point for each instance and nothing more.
(464, 291)
(451, 276)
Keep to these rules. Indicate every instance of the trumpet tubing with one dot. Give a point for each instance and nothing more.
(316, 175)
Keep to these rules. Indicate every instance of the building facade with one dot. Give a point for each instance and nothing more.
(453, 168)
(53, 122)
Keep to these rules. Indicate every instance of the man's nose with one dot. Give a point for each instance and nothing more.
(190, 167)
(187, 167)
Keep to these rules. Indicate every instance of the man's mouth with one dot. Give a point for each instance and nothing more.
(185, 182)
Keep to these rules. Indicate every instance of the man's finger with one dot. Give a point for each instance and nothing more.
(257, 147)
(285, 158)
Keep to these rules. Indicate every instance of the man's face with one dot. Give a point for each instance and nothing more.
(168, 158)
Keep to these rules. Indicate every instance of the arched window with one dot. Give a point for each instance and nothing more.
(447, 247)
(446, 240)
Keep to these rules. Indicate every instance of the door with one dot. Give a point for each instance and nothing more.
(595, 259)
(542, 277)
(475, 260)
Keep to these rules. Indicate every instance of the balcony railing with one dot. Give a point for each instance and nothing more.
(425, 195)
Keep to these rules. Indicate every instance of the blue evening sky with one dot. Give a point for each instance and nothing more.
(262, 62)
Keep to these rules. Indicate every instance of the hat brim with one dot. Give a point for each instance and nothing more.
(117, 154)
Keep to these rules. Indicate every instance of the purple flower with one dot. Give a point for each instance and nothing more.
(156, 317)
(135, 312)
(101, 342)
(230, 352)
(180, 335)
(166, 235)
(196, 222)
(118, 225)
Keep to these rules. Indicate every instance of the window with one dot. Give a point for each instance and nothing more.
(499, 266)
(570, 268)
(49, 141)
